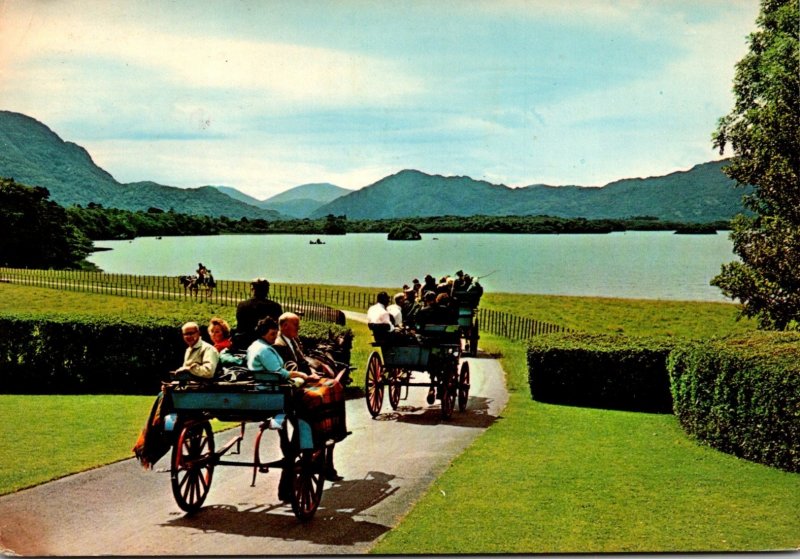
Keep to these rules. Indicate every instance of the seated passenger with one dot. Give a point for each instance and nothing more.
(396, 310)
(431, 313)
(200, 359)
(262, 356)
(410, 307)
(220, 333)
(379, 319)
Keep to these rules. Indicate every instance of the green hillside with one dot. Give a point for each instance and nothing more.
(32, 154)
(702, 194)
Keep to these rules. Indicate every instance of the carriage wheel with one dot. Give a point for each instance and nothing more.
(395, 386)
(192, 466)
(463, 387)
(449, 379)
(473, 339)
(373, 389)
(307, 483)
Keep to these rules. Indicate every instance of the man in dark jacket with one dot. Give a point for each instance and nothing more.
(249, 312)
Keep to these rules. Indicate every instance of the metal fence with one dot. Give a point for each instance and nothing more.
(314, 302)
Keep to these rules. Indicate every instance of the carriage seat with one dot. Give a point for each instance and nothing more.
(440, 333)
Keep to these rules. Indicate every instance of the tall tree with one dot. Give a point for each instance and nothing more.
(763, 131)
(35, 231)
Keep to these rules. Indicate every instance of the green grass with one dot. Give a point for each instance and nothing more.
(640, 317)
(47, 437)
(543, 479)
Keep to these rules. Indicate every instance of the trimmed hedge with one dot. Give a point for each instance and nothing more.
(741, 395)
(600, 370)
(96, 355)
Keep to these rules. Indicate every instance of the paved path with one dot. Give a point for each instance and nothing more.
(387, 462)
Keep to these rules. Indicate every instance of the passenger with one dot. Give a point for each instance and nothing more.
(458, 281)
(379, 319)
(290, 348)
(410, 307)
(429, 285)
(427, 314)
(446, 313)
(262, 355)
(220, 333)
(417, 286)
(396, 310)
(249, 312)
(200, 360)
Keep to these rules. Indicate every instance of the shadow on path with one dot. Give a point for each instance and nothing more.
(333, 524)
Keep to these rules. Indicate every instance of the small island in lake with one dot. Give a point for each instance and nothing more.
(404, 232)
(696, 229)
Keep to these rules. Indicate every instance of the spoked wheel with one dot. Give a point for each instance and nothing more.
(373, 389)
(395, 386)
(463, 387)
(192, 466)
(449, 379)
(307, 483)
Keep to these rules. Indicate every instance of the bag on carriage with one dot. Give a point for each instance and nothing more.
(323, 406)
(154, 441)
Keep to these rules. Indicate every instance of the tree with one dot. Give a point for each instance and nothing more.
(763, 131)
(35, 231)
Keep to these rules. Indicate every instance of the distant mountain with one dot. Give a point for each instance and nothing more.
(32, 154)
(299, 202)
(701, 194)
(302, 201)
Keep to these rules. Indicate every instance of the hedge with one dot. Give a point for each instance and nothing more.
(741, 395)
(600, 370)
(95, 355)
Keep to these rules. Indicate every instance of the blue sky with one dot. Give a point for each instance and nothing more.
(267, 95)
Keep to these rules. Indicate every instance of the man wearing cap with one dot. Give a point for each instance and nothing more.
(249, 312)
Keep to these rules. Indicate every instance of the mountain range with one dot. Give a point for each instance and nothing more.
(33, 154)
(298, 202)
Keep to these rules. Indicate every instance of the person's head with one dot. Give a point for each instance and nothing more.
(410, 295)
(443, 299)
(467, 278)
(415, 283)
(383, 298)
(399, 298)
(218, 330)
(289, 324)
(460, 274)
(191, 333)
(429, 297)
(260, 288)
(267, 329)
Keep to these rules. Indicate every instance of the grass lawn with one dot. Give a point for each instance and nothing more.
(557, 479)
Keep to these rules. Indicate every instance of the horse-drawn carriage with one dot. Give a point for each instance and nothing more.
(305, 436)
(436, 350)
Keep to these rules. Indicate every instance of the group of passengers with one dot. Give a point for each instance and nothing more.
(420, 304)
(266, 339)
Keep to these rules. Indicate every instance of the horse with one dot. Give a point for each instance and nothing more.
(189, 284)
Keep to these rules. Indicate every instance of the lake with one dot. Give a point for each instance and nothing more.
(632, 264)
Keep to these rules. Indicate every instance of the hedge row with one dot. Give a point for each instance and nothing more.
(603, 371)
(91, 355)
(740, 395)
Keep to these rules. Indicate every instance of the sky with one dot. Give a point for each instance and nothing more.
(267, 95)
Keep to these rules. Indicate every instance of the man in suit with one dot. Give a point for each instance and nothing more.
(290, 348)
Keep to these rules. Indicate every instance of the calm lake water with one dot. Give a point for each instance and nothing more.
(650, 265)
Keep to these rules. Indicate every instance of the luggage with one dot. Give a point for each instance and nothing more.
(323, 406)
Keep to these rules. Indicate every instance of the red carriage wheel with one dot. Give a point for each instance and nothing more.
(395, 386)
(373, 388)
(192, 466)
